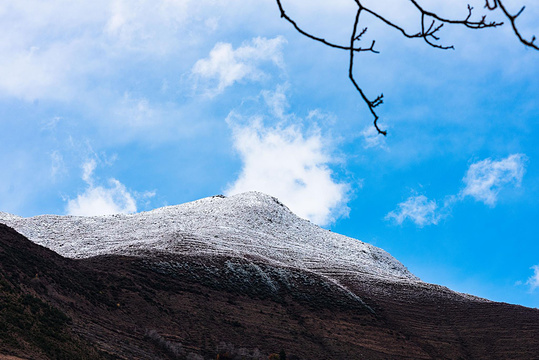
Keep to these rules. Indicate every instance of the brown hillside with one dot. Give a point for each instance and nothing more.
(163, 306)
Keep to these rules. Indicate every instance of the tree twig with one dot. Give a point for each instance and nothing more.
(512, 20)
(429, 33)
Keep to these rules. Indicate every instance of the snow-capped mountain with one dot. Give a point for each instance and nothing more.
(251, 224)
(237, 277)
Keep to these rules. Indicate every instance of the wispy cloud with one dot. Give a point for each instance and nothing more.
(485, 179)
(57, 164)
(533, 281)
(277, 101)
(284, 162)
(419, 209)
(99, 200)
(372, 139)
(55, 49)
(226, 65)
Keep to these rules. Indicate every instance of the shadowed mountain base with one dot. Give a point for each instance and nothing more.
(193, 307)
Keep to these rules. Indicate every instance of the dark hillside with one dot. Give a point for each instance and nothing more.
(32, 323)
(164, 306)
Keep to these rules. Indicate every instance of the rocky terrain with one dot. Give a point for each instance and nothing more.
(235, 278)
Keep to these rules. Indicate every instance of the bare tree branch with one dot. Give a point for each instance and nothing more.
(512, 20)
(379, 99)
(431, 24)
(302, 32)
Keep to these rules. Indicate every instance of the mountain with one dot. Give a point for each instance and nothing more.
(245, 225)
(240, 275)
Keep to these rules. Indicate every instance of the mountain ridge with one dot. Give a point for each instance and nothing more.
(248, 224)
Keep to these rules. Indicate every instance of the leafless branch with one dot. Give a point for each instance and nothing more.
(323, 41)
(379, 99)
(512, 20)
(431, 25)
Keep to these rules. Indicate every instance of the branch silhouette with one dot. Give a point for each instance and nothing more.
(431, 24)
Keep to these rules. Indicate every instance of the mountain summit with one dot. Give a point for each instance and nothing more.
(246, 225)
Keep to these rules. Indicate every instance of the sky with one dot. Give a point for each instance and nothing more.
(124, 106)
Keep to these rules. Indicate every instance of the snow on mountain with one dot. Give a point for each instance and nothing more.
(244, 225)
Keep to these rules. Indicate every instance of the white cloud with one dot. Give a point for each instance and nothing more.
(137, 113)
(533, 281)
(282, 162)
(485, 179)
(150, 26)
(88, 169)
(418, 209)
(98, 200)
(35, 72)
(277, 100)
(54, 48)
(227, 66)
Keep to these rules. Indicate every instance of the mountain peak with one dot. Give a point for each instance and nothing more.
(256, 197)
(251, 203)
(250, 224)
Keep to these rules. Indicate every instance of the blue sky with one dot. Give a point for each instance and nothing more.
(126, 106)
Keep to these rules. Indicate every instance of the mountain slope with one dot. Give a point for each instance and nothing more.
(241, 275)
(193, 307)
(30, 323)
(248, 224)
(176, 306)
